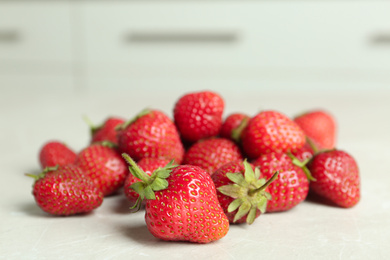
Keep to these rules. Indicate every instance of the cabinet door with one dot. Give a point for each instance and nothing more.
(242, 40)
(35, 37)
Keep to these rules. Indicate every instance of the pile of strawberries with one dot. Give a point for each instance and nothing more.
(198, 173)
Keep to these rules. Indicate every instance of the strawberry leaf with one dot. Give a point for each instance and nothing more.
(231, 190)
(262, 205)
(149, 194)
(242, 210)
(249, 174)
(237, 178)
(234, 205)
(159, 184)
(251, 215)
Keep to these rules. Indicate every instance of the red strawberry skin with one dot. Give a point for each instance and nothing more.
(54, 152)
(220, 179)
(231, 123)
(292, 186)
(107, 132)
(153, 135)
(148, 165)
(66, 191)
(337, 175)
(199, 115)
(271, 131)
(212, 153)
(320, 127)
(188, 210)
(303, 153)
(104, 165)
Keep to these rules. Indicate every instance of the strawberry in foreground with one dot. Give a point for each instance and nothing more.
(56, 153)
(292, 186)
(106, 131)
(241, 192)
(199, 115)
(233, 126)
(271, 131)
(181, 203)
(148, 165)
(151, 134)
(320, 127)
(104, 165)
(65, 190)
(212, 153)
(337, 177)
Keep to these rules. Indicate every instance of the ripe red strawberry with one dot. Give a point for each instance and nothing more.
(233, 126)
(304, 153)
(54, 152)
(290, 188)
(212, 153)
(104, 165)
(107, 131)
(320, 127)
(65, 190)
(271, 131)
(181, 203)
(241, 192)
(337, 175)
(199, 115)
(151, 135)
(148, 165)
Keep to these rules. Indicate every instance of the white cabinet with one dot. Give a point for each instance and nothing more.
(255, 34)
(141, 40)
(35, 42)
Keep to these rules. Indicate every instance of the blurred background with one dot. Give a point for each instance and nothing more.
(60, 60)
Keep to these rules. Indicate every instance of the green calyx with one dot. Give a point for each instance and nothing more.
(43, 173)
(302, 165)
(148, 184)
(249, 192)
(139, 115)
(93, 128)
(236, 133)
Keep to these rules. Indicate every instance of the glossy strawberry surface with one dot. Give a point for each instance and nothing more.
(54, 152)
(337, 175)
(292, 186)
(148, 165)
(107, 131)
(152, 135)
(66, 191)
(271, 131)
(104, 165)
(212, 153)
(320, 127)
(199, 115)
(188, 210)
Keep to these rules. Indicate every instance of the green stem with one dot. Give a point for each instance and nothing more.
(265, 185)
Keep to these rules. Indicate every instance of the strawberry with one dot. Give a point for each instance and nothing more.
(337, 177)
(233, 126)
(199, 115)
(271, 131)
(148, 165)
(106, 131)
(320, 127)
(151, 134)
(304, 153)
(212, 153)
(181, 203)
(241, 192)
(54, 152)
(290, 188)
(65, 190)
(104, 165)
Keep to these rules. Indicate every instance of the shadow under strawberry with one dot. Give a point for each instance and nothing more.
(314, 198)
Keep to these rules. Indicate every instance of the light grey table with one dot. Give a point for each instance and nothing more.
(310, 231)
